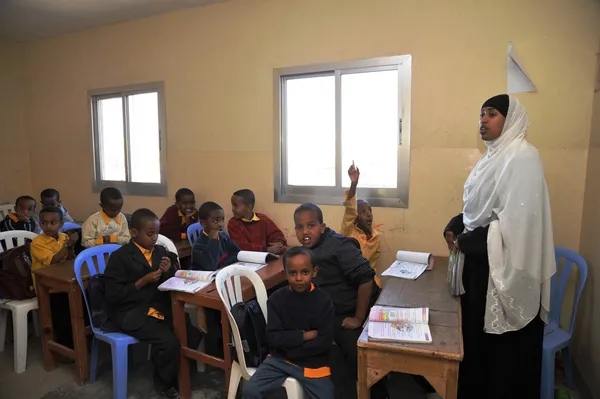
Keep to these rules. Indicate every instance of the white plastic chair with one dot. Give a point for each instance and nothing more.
(19, 309)
(5, 210)
(231, 293)
(189, 308)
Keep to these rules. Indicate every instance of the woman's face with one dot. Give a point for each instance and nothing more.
(491, 123)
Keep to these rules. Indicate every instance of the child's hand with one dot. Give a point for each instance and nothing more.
(152, 277)
(73, 237)
(22, 217)
(308, 335)
(353, 173)
(351, 323)
(165, 264)
(106, 239)
(275, 247)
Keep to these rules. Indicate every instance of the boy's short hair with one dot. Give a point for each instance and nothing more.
(25, 198)
(309, 206)
(140, 216)
(206, 208)
(181, 192)
(110, 194)
(50, 193)
(52, 209)
(247, 196)
(362, 202)
(295, 251)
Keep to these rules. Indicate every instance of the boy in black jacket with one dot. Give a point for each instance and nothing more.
(299, 331)
(139, 309)
(346, 275)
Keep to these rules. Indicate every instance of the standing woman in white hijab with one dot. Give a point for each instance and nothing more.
(505, 235)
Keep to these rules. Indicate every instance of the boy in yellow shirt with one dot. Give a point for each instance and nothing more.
(48, 248)
(358, 222)
(108, 226)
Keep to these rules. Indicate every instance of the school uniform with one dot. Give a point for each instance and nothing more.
(256, 233)
(12, 222)
(211, 254)
(99, 225)
(342, 268)
(289, 315)
(174, 224)
(144, 313)
(42, 250)
(369, 244)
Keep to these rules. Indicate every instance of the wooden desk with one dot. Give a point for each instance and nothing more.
(439, 361)
(61, 278)
(184, 248)
(272, 275)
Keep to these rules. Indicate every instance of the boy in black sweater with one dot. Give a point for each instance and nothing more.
(213, 249)
(132, 277)
(299, 331)
(346, 275)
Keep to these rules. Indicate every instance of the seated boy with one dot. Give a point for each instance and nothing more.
(214, 248)
(358, 222)
(46, 249)
(51, 197)
(346, 275)
(22, 218)
(299, 332)
(108, 225)
(179, 216)
(132, 277)
(253, 231)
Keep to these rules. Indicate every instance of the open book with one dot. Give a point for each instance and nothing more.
(254, 260)
(409, 265)
(389, 324)
(190, 281)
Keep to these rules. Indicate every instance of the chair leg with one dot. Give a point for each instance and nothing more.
(94, 360)
(119, 366)
(20, 336)
(201, 348)
(566, 355)
(36, 322)
(234, 380)
(3, 318)
(547, 388)
(293, 389)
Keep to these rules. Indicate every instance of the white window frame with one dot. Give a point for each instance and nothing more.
(128, 187)
(385, 197)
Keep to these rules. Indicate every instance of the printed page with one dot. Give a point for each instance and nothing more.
(414, 257)
(183, 285)
(255, 257)
(407, 270)
(196, 275)
(392, 314)
(400, 332)
(252, 266)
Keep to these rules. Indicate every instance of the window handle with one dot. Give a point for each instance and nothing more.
(400, 132)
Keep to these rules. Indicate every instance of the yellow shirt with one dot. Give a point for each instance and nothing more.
(148, 255)
(43, 248)
(370, 246)
(99, 225)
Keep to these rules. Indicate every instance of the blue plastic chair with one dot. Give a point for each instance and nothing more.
(555, 338)
(193, 232)
(119, 342)
(69, 226)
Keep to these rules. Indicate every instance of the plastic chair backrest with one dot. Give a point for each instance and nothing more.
(167, 243)
(88, 256)
(5, 210)
(6, 238)
(69, 226)
(559, 285)
(229, 286)
(193, 232)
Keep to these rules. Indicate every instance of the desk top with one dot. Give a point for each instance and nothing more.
(429, 290)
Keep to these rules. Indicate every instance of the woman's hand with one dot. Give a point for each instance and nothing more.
(451, 240)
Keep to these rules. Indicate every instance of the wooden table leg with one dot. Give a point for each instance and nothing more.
(226, 328)
(47, 333)
(452, 383)
(82, 365)
(179, 327)
(363, 385)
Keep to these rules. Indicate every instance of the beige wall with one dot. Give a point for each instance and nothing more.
(217, 65)
(15, 177)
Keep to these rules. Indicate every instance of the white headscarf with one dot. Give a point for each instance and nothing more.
(507, 190)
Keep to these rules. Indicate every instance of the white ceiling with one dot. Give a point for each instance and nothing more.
(32, 19)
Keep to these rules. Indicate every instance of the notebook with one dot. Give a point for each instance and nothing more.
(392, 324)
(409, 265)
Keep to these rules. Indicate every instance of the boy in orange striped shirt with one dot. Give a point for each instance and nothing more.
(358, 222)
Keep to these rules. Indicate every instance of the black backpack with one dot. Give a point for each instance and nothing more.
(253, 330)
(16, 281)
(98, 306)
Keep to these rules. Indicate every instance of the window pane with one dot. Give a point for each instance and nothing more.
(144, 144)
(370, 127)
(111, 139)
(310, 128)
